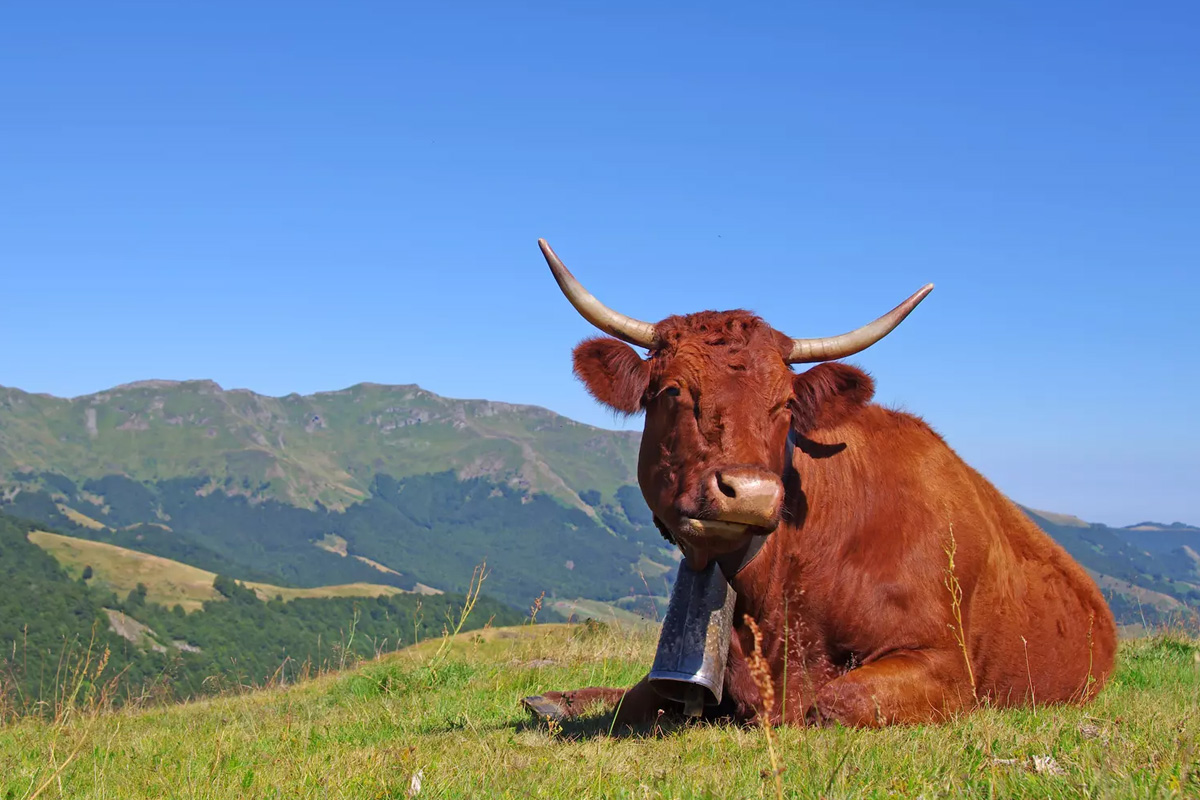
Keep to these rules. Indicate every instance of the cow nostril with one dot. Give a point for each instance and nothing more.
(746, 495)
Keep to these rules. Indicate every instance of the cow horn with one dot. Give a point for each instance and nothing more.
(806, 351)
(625, 328)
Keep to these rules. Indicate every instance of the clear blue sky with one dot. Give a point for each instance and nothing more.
(298, 197)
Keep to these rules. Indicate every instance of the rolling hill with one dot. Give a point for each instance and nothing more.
(394, 485)
(58, 631)
(170, 583)
(429, 530)
(1144, 584)
(1178, 538)
(326, 447)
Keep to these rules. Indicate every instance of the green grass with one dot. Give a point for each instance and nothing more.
(450, 715)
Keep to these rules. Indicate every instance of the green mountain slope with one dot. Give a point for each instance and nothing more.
(51, 625)
(1143, 584)
(414, 488)
(432, 529)
(1178, 538)
(324, 447)
(169, 583)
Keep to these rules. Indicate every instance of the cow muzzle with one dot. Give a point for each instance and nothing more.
(736, 499)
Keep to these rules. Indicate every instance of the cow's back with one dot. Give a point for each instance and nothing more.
(1039, 627)
(1034, 622)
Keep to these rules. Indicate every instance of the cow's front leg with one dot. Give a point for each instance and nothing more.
(908, 686)
(635, 706)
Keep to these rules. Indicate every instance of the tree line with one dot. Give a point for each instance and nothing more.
(50, 625)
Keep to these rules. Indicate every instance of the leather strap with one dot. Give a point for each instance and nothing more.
(733, 563)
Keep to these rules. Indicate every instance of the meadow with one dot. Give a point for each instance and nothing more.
(168, 582)
(442, 719)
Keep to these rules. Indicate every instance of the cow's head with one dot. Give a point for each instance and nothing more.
(720, 400)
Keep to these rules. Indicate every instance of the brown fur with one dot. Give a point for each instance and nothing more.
(612, 372)
(851, 589)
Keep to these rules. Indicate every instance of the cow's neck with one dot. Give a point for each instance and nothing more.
(779, 587)
(793, 644)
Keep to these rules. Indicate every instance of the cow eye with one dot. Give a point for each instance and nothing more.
(666, 391)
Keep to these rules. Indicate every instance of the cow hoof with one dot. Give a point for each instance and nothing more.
(544, 708)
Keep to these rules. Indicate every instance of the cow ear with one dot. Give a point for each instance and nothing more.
(613, 373)
(827, 394)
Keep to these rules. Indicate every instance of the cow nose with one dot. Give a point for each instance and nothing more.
(747, 495)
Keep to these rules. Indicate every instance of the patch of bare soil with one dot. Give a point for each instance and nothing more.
(130, 629)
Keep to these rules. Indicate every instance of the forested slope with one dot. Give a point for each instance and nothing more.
(50, 624)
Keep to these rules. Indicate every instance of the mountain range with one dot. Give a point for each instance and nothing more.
(325, 447)
(396, 485)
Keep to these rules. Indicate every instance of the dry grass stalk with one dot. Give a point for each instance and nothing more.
(536, 607)
(1029, 673)
(649, 595)
(346, 648)
(453, 626)
(766, 693)
(956, 597)
(78, 701)
(1091, 679)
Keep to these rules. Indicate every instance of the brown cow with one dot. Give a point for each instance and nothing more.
(896, 584)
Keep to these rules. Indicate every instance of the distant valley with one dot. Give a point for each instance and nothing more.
(72, 631)
(394, 486)
(417, 488)
(1151, 577)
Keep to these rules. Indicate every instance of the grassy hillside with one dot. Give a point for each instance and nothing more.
(249, 486)
(1151, 582)
(1176, 538)
(325, 447)
(53, 627)
(422, 530)
(169, 583)
(431, 530)
(436, 721)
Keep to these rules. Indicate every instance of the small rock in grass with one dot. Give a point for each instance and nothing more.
(1043, 765)
(1046, 765)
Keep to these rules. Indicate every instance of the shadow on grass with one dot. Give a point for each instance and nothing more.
(600, 726)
